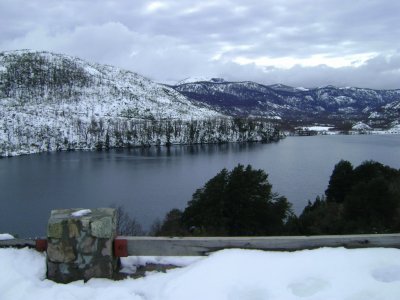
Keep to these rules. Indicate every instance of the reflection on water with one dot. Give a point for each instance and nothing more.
(150, 181)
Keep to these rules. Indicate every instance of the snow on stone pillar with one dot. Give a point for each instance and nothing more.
(80, 244)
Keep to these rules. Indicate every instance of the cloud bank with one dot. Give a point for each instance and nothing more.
(295, 42)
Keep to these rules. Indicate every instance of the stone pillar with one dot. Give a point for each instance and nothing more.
(80, 244)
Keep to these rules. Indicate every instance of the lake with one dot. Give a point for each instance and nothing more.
(149, 182)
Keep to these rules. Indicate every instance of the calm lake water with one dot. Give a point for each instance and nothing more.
(150, 182)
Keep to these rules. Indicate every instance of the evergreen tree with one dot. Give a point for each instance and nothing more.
(373, 204)
(172, 225)
(205, 212)
(340, 182)
(363, 200)
(239, 202)
(321, 217)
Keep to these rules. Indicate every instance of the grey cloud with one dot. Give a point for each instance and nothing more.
(181, 39)
(379, 73)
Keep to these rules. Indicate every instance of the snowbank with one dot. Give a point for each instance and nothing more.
(5, 236)
(230, 274)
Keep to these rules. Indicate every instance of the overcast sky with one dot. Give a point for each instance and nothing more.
(296, 42)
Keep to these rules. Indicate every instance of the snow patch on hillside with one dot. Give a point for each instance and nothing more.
(395, 129)
(300, 88)
(361, 126)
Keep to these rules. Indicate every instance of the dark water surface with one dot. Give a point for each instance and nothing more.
(150, 182)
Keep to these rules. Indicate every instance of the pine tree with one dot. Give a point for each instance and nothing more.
(239, 202)
(340, 182)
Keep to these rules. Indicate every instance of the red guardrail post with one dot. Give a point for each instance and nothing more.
(120, 247)
(41, 245)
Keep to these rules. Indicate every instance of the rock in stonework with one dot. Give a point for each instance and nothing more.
(102, 227)
(80, 244)
(60, 252)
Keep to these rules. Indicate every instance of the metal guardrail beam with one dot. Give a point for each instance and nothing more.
(18, 243)
(38, 244)
(199, 246)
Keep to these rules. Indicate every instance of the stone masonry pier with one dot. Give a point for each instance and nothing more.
(80, 244)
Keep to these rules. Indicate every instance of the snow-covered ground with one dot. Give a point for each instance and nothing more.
(5, 236)
(325, 273)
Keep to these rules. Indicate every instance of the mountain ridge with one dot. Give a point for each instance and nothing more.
(280, 101)
(76, 73)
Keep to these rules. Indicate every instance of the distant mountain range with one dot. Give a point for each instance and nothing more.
(289, 103)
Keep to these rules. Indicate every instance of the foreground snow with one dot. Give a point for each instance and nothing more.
(229, 274)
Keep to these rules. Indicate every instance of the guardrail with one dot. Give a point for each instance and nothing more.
(38, 244)
(199, 246)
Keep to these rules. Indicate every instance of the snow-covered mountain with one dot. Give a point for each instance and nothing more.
(47, 79)
(56, 102)
(281, 101)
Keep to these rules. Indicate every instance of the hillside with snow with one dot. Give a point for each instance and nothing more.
(80, 87)
(54, 102)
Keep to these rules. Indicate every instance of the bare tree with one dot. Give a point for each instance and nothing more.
(127, 225)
